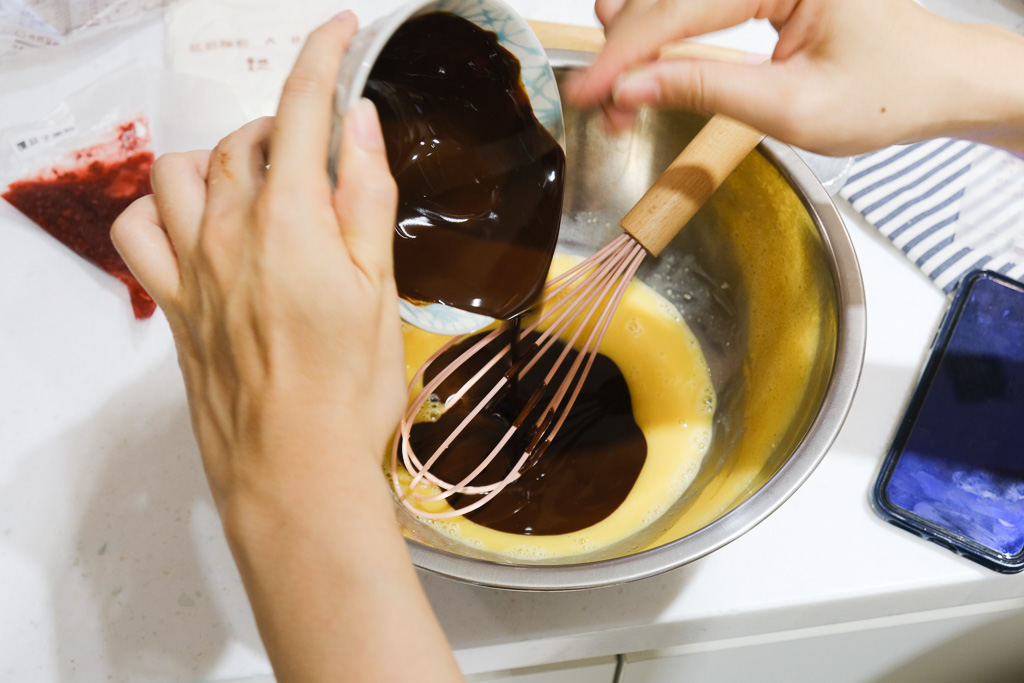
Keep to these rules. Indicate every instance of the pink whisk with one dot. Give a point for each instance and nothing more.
(579, 303)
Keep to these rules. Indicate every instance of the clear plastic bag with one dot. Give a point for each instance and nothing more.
(72, 172)
(27, 25)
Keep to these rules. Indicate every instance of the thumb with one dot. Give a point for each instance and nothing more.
(751, 94)
(366, 199)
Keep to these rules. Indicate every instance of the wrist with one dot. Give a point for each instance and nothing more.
(326, 577)
(306, 491)
(980, 84)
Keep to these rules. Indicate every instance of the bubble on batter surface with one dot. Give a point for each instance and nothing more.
(431, 410)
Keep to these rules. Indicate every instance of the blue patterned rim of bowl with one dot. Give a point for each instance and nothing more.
(516, 36)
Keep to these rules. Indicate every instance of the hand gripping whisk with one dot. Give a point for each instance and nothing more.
(577, 306)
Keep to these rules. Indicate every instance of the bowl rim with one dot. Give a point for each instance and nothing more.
(821, 434)
(371, 39)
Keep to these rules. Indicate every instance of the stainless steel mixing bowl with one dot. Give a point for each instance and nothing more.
(766, 277)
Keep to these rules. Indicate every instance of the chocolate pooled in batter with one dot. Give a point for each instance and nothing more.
(582, 477)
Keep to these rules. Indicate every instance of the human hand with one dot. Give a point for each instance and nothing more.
(846, 76)
(281, 297)
(279, 292)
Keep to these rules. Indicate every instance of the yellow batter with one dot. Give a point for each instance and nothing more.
(673, 404)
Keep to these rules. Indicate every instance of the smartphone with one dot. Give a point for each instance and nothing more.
(954, 473)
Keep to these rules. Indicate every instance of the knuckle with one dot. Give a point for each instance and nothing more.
(606, 10)
(224, 161)
(698, 91)
(263, 126)
(226, 142)
(801, 117)
(686, 88)
(167, 165)
(790, 128)
(121, 227)
(220, 155)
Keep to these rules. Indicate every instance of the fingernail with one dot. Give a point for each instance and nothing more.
(343, 16)
(365, 126)
(637, 87)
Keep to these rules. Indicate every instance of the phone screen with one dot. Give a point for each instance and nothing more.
(957, 464)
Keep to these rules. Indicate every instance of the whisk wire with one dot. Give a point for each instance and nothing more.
(571, 298)
(607, 273)
(593, 343)
(615, 282)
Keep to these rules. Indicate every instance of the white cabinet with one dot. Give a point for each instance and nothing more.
(980, 643)
(597, 670)
(600, 670)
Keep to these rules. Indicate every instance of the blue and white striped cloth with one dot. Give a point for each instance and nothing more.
(950, 206)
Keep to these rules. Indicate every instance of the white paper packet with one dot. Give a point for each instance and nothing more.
(251, 45)
(27, 25)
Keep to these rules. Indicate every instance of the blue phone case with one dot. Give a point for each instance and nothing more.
(954, 473)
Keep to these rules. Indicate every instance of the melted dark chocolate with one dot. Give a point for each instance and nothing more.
(583, 476)
(479, 178)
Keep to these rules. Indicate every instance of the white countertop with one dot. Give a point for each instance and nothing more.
(112, 562)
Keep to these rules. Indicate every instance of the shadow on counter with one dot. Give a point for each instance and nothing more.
(142, 584)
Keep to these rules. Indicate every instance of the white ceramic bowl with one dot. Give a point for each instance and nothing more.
(516, 36)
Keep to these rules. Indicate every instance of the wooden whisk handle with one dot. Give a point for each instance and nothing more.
(690, 181)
